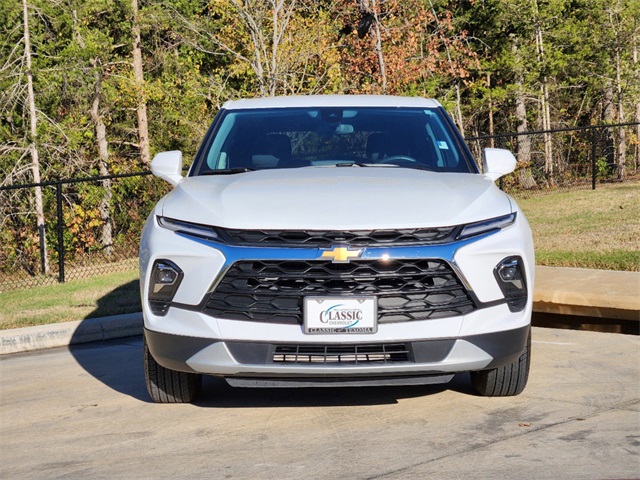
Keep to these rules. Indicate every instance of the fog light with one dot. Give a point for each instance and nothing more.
(510, 276)
(166, 274)
(508, 273)
(165, 279)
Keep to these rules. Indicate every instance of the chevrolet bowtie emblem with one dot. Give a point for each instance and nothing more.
(341, 254)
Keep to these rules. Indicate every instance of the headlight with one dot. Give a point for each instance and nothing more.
(188, 228)
(486, 226)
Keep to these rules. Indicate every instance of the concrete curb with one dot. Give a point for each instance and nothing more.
(70, 333)
(587, 292)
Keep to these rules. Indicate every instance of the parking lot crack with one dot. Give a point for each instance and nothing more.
(528, 431)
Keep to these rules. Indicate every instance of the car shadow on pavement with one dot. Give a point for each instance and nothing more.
(216, 393)
(116, 363)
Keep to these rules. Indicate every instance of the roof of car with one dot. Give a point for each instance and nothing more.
(331, 101)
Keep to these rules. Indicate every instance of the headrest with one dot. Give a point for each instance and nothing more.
(271, 150)
(264, 161)
(278, 145)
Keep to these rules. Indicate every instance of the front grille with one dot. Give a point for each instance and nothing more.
(273, 290)
(327, 238)
(343, 354)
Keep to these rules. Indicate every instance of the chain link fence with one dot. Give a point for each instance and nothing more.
(565, 159)
(92, 225)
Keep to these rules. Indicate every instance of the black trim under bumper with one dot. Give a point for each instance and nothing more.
(368, 381)
(173, 351)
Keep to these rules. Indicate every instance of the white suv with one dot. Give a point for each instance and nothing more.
(335, 241)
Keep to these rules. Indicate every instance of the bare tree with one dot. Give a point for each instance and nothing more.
(104, 207)
(262, 35)
(33, 147)
(545, 112)
(525, 176)
(266, 59)
(138, 74)
(372, 7)
(459, 119)
(636, 64)
(103, 161)
(621, 148)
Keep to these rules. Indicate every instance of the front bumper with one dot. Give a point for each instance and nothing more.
(250, 359)
(187, 339)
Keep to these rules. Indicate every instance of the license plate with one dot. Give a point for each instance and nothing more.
(346, 315)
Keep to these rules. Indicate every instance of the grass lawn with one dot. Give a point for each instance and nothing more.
(587, 228)
(76, 300)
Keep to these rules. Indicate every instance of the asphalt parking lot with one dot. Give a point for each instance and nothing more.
(83, 412)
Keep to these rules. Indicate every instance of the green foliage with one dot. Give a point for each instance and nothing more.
(604, 169)
(198, 54)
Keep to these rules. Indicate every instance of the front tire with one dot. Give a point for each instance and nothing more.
(169, 386)
(505, 381)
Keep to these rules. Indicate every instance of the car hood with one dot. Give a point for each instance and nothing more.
(336, 198)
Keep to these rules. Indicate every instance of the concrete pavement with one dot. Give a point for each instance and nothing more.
(83, 412)
(558, 290)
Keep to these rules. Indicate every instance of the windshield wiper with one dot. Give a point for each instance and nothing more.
(421, 167)
(362, 164)
(228, 171)
(351, 164)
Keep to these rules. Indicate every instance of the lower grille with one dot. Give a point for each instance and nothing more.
(272, 291)
(343, 354)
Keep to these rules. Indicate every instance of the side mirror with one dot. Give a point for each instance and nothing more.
(168, 166)
(498, 163)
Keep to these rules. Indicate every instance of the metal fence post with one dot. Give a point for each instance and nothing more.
(60, 232)
(593, 159)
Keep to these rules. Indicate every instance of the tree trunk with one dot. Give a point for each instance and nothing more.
(267, 62)
(253, 19)
(33, 148)
(609, 118)
(544, 104)
(621, 167)
(492, 142)
(282, 12)
(607, 109)
(106, 237)
(381, 63)
(141, 107)
(524, 141)
(637, 156)
(637, 153)
(273, 82)
(621, 151)
(459, 109)
(525, 176)
(546, 126)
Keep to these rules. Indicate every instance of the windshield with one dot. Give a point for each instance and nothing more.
(246, 140)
